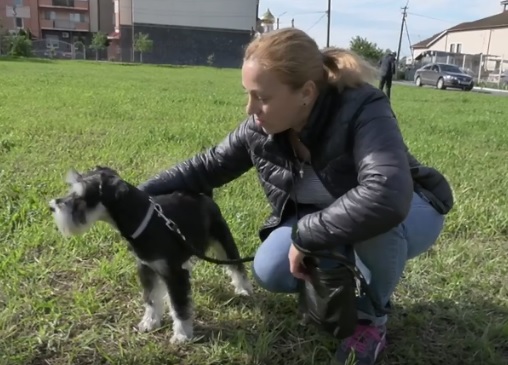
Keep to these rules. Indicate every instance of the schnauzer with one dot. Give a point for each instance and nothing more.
(163, 246)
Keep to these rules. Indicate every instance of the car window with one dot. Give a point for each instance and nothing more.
(435, 68)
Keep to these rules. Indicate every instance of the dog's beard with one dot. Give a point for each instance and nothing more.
(68, 226)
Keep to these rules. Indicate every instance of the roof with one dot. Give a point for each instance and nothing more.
(495, 21)
(268, 17)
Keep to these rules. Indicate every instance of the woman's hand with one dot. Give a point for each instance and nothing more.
(296, 265)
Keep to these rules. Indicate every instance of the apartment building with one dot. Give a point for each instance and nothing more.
(58, 20)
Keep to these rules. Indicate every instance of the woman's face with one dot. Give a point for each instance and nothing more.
(275, 106)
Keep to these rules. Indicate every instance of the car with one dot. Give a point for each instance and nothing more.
(443, 75)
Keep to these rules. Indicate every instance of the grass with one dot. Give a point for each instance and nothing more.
(77, 301)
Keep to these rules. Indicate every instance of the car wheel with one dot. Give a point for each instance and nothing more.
(440, 84)
(469, 88)
(418, 82)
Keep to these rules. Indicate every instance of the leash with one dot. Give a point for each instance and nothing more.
(171, 224)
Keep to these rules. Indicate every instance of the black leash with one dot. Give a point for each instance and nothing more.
(174, 228)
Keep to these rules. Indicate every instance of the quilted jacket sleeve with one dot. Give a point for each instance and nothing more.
(208, 170)
(383, 196)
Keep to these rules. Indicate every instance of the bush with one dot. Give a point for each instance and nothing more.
(19, 46)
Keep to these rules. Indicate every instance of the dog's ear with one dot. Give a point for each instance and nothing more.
(72, 177)
(119, 186)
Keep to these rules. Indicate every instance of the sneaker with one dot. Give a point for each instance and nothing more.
(363, 346)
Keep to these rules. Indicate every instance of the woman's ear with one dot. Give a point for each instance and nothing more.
(309, 92)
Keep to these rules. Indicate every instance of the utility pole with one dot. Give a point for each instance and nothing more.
(403, 23)
(329, 13)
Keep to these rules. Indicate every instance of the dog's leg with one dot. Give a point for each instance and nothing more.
(180, 296)
(225, 247)
(154, 291)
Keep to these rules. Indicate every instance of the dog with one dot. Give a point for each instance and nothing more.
(164, 233)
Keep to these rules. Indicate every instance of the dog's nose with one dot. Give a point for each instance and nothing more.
(51, 208)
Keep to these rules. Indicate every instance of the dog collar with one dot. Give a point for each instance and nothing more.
(145, 221)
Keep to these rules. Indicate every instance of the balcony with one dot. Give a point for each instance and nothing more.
(65, 4)
(64, 24)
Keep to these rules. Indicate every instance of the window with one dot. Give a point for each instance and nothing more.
(18, 3)
(19, 22)
(52, 41)
(459, 47)
(77, 17)
(69, 3)
(452, 48)
(49, 15)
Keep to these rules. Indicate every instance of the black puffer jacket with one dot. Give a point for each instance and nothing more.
(358, 153)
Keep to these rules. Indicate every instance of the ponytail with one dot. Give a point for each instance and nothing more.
(345, 69)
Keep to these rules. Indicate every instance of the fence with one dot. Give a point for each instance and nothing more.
(487, 70)
(63, 50)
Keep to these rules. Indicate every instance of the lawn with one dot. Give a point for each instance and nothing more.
(76, 301)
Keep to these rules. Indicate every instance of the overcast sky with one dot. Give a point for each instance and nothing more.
(378, 20)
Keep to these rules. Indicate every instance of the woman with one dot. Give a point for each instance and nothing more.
(319, 134)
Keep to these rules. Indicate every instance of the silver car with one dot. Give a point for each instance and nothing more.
(443, 75)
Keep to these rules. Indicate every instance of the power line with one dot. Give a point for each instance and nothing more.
(409, 40)
(429, 17)
(316, 22)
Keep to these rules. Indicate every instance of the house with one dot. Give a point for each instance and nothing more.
(58, 21)
(487, 36)
(197, 32)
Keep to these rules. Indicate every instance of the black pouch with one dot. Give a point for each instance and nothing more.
(328, 299)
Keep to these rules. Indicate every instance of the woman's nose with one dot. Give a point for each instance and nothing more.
(252, 107)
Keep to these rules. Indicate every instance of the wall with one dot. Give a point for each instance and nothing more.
(188, 46)
(218, 14)
(28, 11)
(485, 41)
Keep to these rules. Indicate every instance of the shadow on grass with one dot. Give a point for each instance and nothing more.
(474, 332)
(438, 332)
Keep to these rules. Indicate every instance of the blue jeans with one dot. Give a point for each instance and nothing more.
(384, 255)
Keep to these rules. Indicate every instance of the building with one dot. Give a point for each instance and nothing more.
(58, 20)
(487, 36)
(186, 32)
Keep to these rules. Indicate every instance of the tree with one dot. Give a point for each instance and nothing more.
(19, 44)
(368, 50)
(142, 44)
(99, 41)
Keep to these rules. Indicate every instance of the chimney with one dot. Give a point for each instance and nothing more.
(504, 4)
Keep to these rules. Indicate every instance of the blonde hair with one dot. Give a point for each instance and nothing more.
(296, 58)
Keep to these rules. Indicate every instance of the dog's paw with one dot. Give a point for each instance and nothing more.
(179, 338)
(148, 324)
(244, 292)
(243, 287)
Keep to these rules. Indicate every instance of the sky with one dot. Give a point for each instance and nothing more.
(377, 20)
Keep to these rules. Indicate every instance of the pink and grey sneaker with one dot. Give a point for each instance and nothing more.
(363, 346)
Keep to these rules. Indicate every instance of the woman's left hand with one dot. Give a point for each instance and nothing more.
(296, 265)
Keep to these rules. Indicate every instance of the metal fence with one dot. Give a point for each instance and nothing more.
(63, 50)
(487, 70)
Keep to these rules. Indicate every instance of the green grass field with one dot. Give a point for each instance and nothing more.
(76, 301)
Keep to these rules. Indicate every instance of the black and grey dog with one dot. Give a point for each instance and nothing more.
(164, 233)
